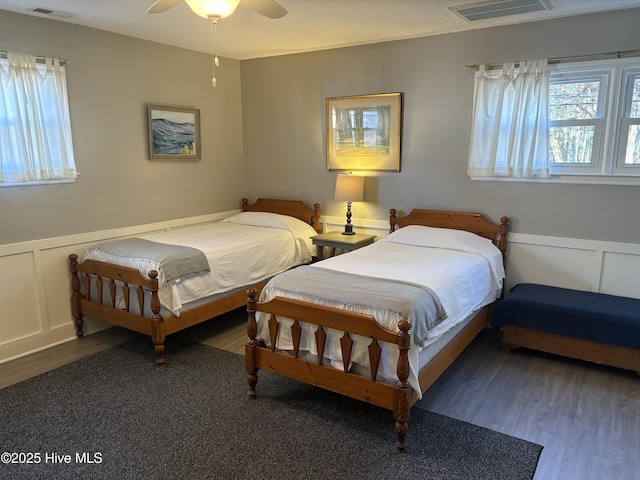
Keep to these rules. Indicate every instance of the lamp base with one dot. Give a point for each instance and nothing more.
(348, 230)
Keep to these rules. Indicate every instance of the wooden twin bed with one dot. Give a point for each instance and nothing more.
(291, 316)
(123, 296)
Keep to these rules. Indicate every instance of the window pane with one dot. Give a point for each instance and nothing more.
(635, 99)
(632, 157)
(573, 101)
(572, 145)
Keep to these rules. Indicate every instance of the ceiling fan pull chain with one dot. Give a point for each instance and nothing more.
(214, 51)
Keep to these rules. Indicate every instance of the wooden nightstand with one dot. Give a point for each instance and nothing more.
(345, 243)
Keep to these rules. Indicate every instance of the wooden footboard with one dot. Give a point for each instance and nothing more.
(95, 292)
(398, 398)
(98, 282)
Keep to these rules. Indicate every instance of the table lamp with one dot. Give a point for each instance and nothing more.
(349, 188)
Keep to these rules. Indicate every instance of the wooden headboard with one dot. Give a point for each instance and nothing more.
(293, 208)
(468, 221)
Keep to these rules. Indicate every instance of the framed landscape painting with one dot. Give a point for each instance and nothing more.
(174, 133)
(363, 133)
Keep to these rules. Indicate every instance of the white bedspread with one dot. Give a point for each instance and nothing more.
(242, 250)
(465, 276)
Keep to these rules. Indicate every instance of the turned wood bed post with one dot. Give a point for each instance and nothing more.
(402, 408)
(76, 308)
(157, 332)
(502, 242)
(392, 220)
(502, 245)
(252, 343)
(316, 217)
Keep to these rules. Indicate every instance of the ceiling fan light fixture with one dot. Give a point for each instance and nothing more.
(213, 9)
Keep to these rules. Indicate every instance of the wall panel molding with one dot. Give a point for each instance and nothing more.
(36, 286)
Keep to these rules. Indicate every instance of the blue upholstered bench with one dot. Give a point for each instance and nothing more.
(585, 325)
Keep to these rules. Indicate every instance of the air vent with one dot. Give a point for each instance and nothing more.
(52, 13)
(498, 8)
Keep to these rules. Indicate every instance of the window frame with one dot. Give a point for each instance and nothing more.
(628, 76)
(603, 77)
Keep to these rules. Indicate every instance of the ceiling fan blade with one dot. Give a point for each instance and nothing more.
(162, 6)
(268, 8)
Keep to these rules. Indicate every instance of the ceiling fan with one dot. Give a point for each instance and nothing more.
(217, 9)
(214, 10)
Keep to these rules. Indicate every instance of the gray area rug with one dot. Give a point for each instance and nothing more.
(116, 414)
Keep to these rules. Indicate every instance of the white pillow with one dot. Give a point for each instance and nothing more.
(301, 231)
(451, 239)
(422, 236)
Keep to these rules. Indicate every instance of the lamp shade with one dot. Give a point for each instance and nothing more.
(213, 8)
(349, 188)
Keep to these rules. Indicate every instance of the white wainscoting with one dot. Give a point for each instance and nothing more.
(35, 281)
(35, 286)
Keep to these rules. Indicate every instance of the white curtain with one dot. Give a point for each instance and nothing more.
(509, 135)
(35, 127)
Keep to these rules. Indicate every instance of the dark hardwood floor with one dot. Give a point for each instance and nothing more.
(586, 416)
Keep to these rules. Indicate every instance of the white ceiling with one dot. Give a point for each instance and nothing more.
(309, 25)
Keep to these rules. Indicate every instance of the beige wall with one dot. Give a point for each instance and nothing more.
(111, 80)
(283, 102)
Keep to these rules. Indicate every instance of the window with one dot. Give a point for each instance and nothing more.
(594, 121)
(628, 156)
(35, 128)
(593, 117)
(509, 133)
